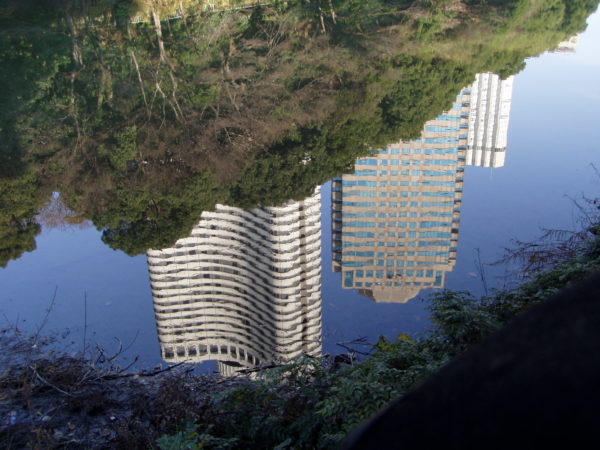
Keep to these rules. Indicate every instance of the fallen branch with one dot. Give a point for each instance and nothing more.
(47, 383)
(140, 374)
(360, 341)
(260, 368)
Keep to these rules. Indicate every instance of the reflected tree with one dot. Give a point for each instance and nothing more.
(142, 126)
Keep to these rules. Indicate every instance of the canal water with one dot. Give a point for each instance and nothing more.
(356, 260)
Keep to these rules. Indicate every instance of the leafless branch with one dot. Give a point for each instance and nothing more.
(140, 374)
(47, 383)
(45, 319)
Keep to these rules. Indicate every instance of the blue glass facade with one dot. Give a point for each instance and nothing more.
(406, 240)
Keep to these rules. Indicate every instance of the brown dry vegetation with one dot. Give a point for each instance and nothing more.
(51, 400)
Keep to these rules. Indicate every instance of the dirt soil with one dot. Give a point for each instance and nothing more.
(49, 400)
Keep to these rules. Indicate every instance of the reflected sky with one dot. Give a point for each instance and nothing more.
(553, 138)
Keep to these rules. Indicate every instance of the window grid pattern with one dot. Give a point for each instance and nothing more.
(243, 289)
(392, 248)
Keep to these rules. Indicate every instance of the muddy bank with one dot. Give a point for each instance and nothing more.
(49, 400)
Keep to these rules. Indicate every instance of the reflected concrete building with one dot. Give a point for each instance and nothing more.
(395, 220)
(568, 46)
(243, 289)
(489, 100)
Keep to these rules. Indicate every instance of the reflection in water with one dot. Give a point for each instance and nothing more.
(568, 46)
(395, 220)
(243, 289)
(489, 99)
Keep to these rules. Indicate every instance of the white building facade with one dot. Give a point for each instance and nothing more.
(489, 100)
(243, 289)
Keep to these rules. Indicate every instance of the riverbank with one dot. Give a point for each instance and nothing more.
(51, 400)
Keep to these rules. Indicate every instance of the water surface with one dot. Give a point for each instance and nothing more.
(106, 294)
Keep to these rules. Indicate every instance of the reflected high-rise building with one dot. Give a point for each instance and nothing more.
(568, 46)
(489, 100)
(243, 289)
(395, 220)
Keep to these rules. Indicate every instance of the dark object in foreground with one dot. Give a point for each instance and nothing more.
(534, 384)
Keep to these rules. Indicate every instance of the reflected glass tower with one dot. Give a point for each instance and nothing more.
(243, 289)
(395, 220)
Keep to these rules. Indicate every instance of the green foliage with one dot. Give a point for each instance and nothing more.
(304, 76)
(20, 199)
(189, 439)
(506, 304)
(459, 319)
(395, 101)
(124, 151)
(355, 15)
(32, 52)
(16, 239)
(357, 392)
(136, 220)
(201, 97)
